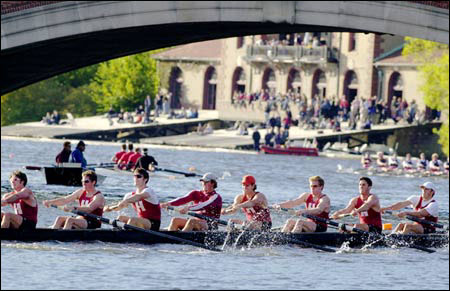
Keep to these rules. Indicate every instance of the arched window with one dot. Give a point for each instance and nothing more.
(238, 82)
(175, 87)
(351, 86)
(294, 81)
(209, 88)
(395, 87)
(319, 85)
(269, 81)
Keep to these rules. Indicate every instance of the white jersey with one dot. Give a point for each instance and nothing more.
(153, 199)
(431, 207)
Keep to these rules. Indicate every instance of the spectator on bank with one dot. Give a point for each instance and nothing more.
(147, 109)
(268, 138)
(56, 117)
(166, 105)
(47, 119)
(192, 113)
(256, 136)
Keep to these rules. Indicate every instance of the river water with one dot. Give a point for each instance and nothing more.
(78, 265)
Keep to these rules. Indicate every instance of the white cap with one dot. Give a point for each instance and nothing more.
(428, 185)
(208, 177)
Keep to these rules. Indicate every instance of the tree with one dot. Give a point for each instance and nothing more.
(125, 82)
(434, 70)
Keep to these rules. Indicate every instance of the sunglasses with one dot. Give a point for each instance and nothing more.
(138, 176)
(314, 186)
(86, 181)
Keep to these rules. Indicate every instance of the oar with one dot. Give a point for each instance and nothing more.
(291, 240)
(34, 168)
(101, 165)
(360, 231)
(177, 172)
(147, 231)
(423, 221)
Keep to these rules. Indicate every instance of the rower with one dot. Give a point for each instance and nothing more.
(119, 154)
(253, 204)
(77, 154)
(64, 155)
(122, 162)
(424, 207)
(422, 165)
(132, 160)
(366, 161)
(90, 201)
(435, 164)
(366, 206)
(381, 161)
(146, 162)
(393, 162)
(408, 164)
(317, 204)
(207, 202)
(23, 202)
(144, 201)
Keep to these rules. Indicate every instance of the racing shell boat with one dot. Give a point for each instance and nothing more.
(297, 151)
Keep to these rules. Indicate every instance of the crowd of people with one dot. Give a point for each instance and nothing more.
(330, 112)
(207, 202)
(160, 105)
(52, 118)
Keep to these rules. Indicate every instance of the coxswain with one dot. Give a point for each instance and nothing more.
(424, 207)
(146, 162)
(77, 154)
(64, 155)
(408, 164)
(22, 200)
(366, 206)
(207, 202)
(119, 154)
(366, 160)
(422, 165)
(435, 165)
(393, 162)
(144, 201)
(122, 163)
(381, 161)
(90, 200)
(316, 204)
(254, 204)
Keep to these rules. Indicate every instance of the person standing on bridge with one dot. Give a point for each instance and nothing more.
(77, 154)
(317, 204)
(24, 203)
(366, 206)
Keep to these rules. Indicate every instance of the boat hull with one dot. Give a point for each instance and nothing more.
(218, 237)
(297, 151)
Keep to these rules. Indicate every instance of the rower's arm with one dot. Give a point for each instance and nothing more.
(97, 202)
(232, 209)
(259, 199)
(348, 209)
(420, 214)
(295, 202)
(64, 200)
(372, 201)
(398, 205)
(25, 193)
(323, 204)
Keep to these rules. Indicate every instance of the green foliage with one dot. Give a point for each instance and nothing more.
(78, 101)
(125, 82)
(78, 78)
(434, 69)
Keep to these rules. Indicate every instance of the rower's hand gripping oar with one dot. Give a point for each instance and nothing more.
(132, 227)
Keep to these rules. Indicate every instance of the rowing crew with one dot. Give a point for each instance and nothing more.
(208, 202)
(435, 166)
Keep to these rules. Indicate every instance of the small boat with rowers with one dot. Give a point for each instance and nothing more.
(66, 174)
(217, 238)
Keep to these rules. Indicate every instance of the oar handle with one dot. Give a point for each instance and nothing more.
(132, 227)
(423, 221)
(204, 217)
(33, 168)
(177, 172)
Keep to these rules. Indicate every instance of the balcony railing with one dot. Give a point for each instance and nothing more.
(288, 54)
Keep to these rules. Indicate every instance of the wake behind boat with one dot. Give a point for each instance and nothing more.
(217, 238)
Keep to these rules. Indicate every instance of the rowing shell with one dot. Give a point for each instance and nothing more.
(219, 237)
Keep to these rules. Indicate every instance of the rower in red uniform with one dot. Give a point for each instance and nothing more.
(90, 200)
(254, 204)
(22, 201)
(425, 207)
(207, 202)
(366, 206)
(144, 201)
(122, 162)
(132, 160)
(317, 204)
(117, 156)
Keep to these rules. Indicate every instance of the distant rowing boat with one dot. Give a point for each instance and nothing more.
(297, 151)
(218, 237)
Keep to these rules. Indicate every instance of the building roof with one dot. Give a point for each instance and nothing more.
(395, 58)
(210, 50)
